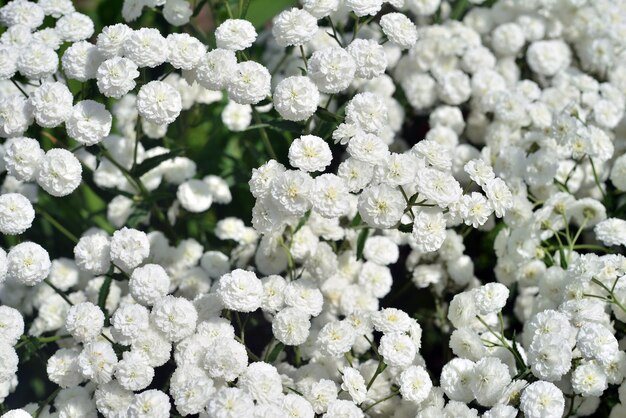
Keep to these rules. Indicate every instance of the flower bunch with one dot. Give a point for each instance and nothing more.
(365, 208)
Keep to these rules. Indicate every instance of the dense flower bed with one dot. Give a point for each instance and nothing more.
(363, 208)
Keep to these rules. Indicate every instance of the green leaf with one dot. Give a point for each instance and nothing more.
(303, 221)
(153, 162)
(244, 11)
(356, 221)
(405, 228)
(104, 292)
(360, 243)
(136, 217)
(278, 348)
(324, 114)
(285, 125)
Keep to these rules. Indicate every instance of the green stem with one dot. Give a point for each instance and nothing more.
(505, 344)
(264, 137)
(58, 291)
(391, 395)
(57, 225)
(306, 63)
(596, 179)
(49, 399)
(16, 84)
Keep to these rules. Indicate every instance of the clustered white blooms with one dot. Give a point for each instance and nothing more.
(293, 316)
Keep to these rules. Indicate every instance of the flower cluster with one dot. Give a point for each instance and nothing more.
(427, 177)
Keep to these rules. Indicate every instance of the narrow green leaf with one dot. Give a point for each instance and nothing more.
(303, 221)
(244, 11)
(356, 221)
(285, 125)
(328, 116)
(136, 217)
(104, 292)
(360, 243)
(278, 348)
(153, 162)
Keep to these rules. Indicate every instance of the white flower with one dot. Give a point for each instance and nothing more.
(89, 122)
(381, 206)
(177, 12)
(429, 230)
(129, 321)
(158, 102)
(438, 186)
(549, 358)
(24, 13)
(595, 341)
(491, 297)
(296, 98)
(415, 384)
(62, 368)
(364, 7)
(479, 171)
(81, 61)
(354, 383)
(8, 362)
(548, 57)
(38, 61)
(226, 359)
(455, 379)
(611, 231)
(74, 27)
(235, 35)
(291, 326)
(368, 148)
(116, 77)
(229, 401)
(292, 191)
(129, 248)
(60, 172)
(294, 27)
(320, 8)
(52, 104)
(84, 321)
(16, 114)
(475, 209)
(216, 69)
(331, 69)
(133, 372)
(369, 57)
(111, 40)
(368, 112)
(490, 378)
(250, 83)
(28, 263)
(499, 195)
(357, 174)
(336, 338)
(262, 381)
(149, 404)
(194, 195)
(237, 117)
(185, 51)
(310, 153)
(331, 196)
(399, 29)
(397, 349)
(16, 214)
(240, 291)
(175, 317)
(146, 47)
(97, 361)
